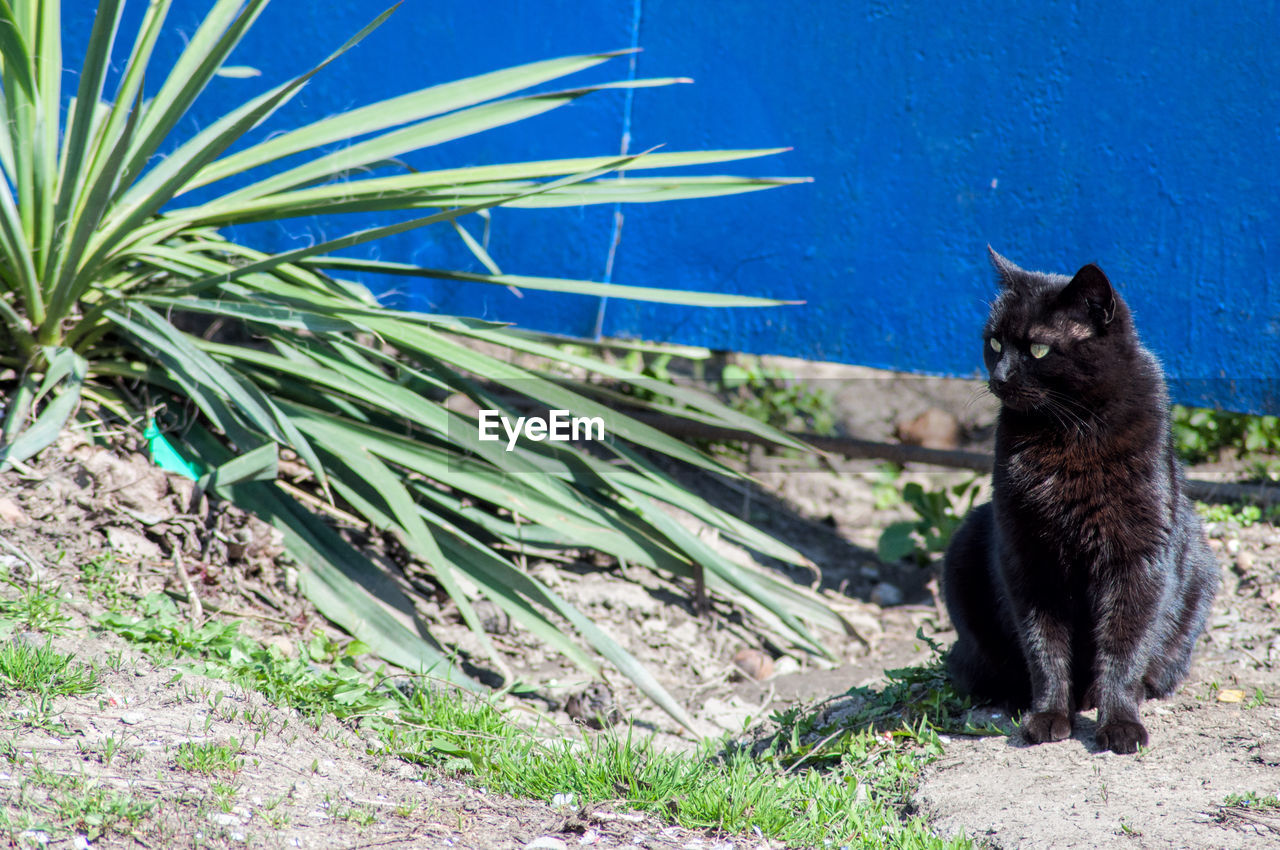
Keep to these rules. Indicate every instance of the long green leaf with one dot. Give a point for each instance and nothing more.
(15, 52)
(60, 284)
(424, 134)
(159, 185)
(396, 111)
(48, 105)
(80, 123)
(219, 32)
(686, 297)
(343, 584)
(68, 369)
(373, 233)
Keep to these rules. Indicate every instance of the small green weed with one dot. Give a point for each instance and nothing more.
(651, 365)
(44, 671)
(102, 578)
(359, 815)
(209, 757)
(107, 750)
(939, 513)
(1253, 800)
(224, 794)
(885, 491)
(1250, 811)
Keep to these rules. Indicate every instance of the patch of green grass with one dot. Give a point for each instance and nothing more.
(855, 802)
(43, 670)
(209, 757)
(60, 805)
(33, 607)
(359, 815)
(847, 788)
(338, 689)
(850, 791)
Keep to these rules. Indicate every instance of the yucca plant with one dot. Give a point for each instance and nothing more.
(105, 261)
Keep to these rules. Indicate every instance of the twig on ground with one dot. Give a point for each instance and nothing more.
(197, 610)
(37, 571)
(1206, 491)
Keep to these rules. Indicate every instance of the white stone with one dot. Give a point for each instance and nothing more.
(546, 842)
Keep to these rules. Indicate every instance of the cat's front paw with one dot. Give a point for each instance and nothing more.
(1045, 726)
(1122, 736)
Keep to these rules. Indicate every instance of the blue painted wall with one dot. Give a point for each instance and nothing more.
(1143, 136)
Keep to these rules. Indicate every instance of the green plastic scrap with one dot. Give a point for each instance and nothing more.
(165, 456)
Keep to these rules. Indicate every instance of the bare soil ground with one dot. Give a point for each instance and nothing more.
(317, 787)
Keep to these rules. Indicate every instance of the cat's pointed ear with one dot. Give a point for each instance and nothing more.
(1008, 272)
(1091, 288)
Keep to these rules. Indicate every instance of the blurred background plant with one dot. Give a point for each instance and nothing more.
(1201, 434)
(122, 299)
(777, 397)
(939, 513)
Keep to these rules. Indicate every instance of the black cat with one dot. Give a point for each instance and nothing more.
(1087, 579)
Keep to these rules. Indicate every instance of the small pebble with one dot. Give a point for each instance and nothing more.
(886, 595)
(753, 663)
(132, 718)
(546, 842)
(492, 619)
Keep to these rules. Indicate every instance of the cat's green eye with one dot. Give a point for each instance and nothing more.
(995, 345)
(1039, 349)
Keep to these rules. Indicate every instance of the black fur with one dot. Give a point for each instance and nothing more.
(1086, 580)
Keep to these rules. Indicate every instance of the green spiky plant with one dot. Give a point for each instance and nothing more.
(104, 254)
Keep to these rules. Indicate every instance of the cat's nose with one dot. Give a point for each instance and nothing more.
(1000, 373)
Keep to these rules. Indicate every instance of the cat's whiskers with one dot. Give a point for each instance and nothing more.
(976, 393)
(1084, 418)
(1066, 418)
